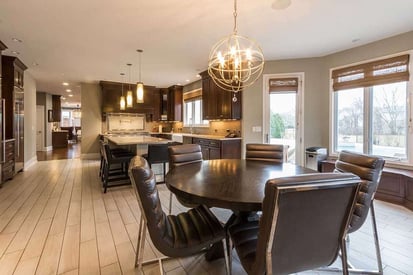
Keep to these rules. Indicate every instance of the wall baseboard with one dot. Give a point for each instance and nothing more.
(94, 156)
(30, 162)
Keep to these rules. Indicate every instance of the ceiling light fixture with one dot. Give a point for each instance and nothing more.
(129, 96)
(68, 90)
(139, 85)
(235, 61)
(14, 39)
(70, 95)
(122, 101)
(65, 84)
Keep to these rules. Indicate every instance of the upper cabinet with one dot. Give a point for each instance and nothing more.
(57, 108)
(2, 48)
(217, 103)
(112, 91)
(171, 100)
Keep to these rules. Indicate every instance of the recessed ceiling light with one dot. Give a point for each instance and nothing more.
(70, 95)
(64, 98)
(198, 75)
(15, 52)
(280, 4)
(65, 84)
(14, 39)
(179, 84)
(187, 80)
(68, 90)
(35, 64)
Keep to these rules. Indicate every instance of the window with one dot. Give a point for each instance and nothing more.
(371, 109)
(70, 117)
(193, 109)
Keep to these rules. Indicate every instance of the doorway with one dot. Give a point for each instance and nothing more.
(282, 113)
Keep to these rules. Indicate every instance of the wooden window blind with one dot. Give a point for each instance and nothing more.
(385, 71)
(192, 95)
(288, 84)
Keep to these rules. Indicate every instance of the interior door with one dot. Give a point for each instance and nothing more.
(40, 111)
(282, 113)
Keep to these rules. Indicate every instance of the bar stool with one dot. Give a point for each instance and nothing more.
(158, 153)
(118, 174)
(115, 151)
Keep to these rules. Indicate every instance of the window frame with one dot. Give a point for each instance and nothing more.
(192, 99)
(368, 107)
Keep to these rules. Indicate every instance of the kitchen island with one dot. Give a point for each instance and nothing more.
(136, 143)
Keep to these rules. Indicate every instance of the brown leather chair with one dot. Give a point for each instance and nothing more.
(303, 225)
(265, 152)
(182, 155)
(158, 153)
(369, 169)
(175, 236)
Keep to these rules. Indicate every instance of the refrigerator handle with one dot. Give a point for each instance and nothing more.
(3, 107)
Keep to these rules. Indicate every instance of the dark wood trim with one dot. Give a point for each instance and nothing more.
(2, 46)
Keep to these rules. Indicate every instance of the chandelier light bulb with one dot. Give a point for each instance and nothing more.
(122, 103)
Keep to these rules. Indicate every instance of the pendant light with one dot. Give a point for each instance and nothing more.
(235, 61)
(122, 98)
(129, 97)
(139, 85)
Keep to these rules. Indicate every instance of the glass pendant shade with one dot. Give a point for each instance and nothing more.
(122, 103)
(139, 84)
(129, 99)
(139, 92)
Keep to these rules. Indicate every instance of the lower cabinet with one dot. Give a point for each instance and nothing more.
(8, 165)
(219, 149)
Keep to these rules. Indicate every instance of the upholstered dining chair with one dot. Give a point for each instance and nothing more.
(182, 155)
(182, 235)
(265, 152)
(303, 225)
(369, 169)
(158, 153)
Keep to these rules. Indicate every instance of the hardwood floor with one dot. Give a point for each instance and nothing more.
(54, 219)
(70, 152)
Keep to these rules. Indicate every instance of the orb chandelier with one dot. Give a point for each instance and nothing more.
(235, 61)
(139, 84)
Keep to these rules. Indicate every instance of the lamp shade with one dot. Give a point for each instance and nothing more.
(129, 99)
(122, 103)
(139, 92)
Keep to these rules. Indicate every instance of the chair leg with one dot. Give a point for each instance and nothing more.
(376, 238)
(344, 256)
(227, 244)
(141, 243)
(170, 203)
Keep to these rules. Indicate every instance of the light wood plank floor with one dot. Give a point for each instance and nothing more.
(54, 219)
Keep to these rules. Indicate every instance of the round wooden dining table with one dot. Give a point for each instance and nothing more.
(235, 184)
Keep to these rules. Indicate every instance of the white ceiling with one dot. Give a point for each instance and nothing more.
(87, 41)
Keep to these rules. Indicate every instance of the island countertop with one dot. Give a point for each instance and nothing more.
(134, 140)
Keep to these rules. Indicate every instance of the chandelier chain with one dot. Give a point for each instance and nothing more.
(235, 17)
(129, 65)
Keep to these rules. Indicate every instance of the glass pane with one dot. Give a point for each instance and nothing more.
(283, 121)
(197, 112)
(389, 127)
(349, 120)
(188, 113)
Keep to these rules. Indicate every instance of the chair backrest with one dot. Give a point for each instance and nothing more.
(265, 152)
(143, 180)
(184, 154)
(369, 169)
(158, 153)
(303, 222)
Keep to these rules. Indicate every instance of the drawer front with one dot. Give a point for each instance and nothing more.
(207, 142)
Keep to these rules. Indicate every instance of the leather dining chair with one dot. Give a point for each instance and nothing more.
(158, 153)
(266, 152)
(182, 235)
(182, 155)
(303, 224)
(369, 169)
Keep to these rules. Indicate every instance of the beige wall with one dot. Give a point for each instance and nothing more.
(29, 120)
(91, 119)
(316, 88)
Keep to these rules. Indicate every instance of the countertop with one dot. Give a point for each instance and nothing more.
(133, 140)
(198, 136)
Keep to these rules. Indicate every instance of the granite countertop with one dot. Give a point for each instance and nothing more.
(133, 140)
(198, 136)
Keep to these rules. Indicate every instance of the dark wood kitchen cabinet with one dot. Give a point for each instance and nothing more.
(219, 149)
(112, 91)
(56, 108)
(13, 113)
(217, 103)
(171, 100)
